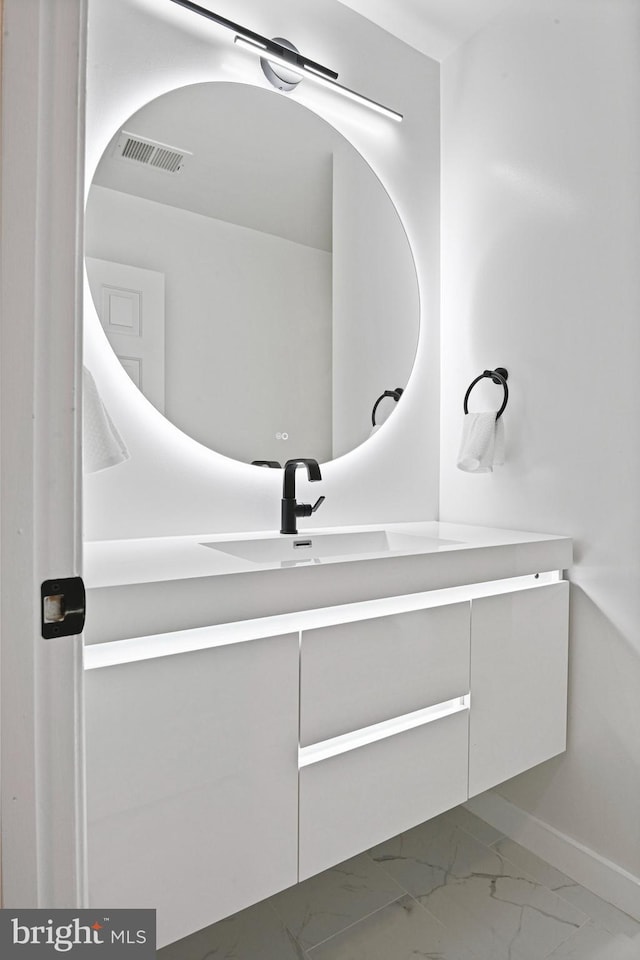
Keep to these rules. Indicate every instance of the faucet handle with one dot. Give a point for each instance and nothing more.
(305, 509)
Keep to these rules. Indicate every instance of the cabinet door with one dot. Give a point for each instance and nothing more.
(193, 782)
(519, 645)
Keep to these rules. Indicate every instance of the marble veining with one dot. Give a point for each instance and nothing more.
(253, 934)
(613, 920)
(592, 942)
(399, 931)
(456, 876)
(326, 904)
(451, 889)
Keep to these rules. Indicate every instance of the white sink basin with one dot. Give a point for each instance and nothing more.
(290, 550)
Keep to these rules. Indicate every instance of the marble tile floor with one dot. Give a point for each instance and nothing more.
(451, 889)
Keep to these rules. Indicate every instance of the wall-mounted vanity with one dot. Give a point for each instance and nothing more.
(255, 716)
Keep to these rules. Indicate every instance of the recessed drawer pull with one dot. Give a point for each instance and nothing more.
(316, 752)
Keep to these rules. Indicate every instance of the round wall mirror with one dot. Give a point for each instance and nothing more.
(251, 273)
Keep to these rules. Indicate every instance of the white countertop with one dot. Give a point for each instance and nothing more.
(138, 588)
(109, 563)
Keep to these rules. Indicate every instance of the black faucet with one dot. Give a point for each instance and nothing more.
(290, 509)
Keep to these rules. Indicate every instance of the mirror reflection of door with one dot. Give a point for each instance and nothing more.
(130, 305)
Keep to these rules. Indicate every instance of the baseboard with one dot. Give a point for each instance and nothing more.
(585, 866)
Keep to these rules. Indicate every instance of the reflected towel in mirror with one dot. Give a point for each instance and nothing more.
(102, 445)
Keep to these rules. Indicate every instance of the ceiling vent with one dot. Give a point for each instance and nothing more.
(137, 149)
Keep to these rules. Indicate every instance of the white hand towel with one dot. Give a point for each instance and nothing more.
(482, 444)
(102, 445)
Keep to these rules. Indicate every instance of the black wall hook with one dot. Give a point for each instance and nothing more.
(499, 376)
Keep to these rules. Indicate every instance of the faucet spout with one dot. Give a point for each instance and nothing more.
(289, 485)
(291, 509)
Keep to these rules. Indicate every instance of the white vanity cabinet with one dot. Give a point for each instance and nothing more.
(229, 760)
(192, 781)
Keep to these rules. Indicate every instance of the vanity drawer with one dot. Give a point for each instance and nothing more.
(353, 675)
(350, 802)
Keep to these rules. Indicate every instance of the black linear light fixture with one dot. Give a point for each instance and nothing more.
(283, 54)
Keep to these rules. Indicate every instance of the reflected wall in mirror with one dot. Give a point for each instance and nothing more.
(251, 273)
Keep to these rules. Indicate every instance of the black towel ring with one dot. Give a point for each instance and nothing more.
(395, 394)
(499, 376)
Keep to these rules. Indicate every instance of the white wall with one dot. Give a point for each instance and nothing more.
(541, 246)
(139, 49)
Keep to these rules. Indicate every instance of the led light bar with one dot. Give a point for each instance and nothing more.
(249, 34)
(306, 69)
